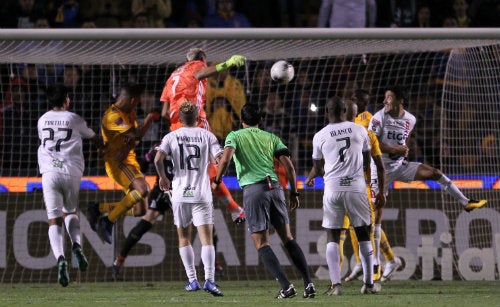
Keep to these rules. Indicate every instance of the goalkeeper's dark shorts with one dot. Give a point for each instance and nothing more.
(159, 200)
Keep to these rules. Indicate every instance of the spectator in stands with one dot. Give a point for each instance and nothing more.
(156, 10)
(423, 17)
(226, 17)
(66, 14)
(275, 119)
(262, 85)
(41, 22)
(107, 13)
(225, 98)
(396, 14)
(141, 20)
(450, 22)
(460, 9)
(88, 23)
(347, 14)
(19, 14)
(149, 104)
(19, 132)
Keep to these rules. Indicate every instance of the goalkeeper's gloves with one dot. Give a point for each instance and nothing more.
(235, 60)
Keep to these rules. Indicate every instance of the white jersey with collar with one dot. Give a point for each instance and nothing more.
(60, 150)
(190, 149)
(341, 145)
(393, 132)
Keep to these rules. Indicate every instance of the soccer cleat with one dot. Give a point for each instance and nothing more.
(62, 272)
(238, 215)
(80, 258)
(357, 271)
(105, 229)
(475, 204)
(391, 267)
(212, 288)
(334, 289)
(309, 291)
(192, 285)
(93, 210)
(376, 272)
(371, 289)
(288, 293)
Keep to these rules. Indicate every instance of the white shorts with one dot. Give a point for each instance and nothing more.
(336, 204)
(60, 193)
(196, 213)
(405, 172)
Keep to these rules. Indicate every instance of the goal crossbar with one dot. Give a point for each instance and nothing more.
(158, 46)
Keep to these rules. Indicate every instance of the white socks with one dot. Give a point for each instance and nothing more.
(187, 257)
(333, 261)
(208, 259)
(56, 240)
(366, 255)
(453, 190)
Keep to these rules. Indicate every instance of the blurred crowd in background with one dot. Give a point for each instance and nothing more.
(245, 13)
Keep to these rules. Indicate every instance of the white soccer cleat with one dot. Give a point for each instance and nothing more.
(375, 288)
(391, 267)
(357, 271)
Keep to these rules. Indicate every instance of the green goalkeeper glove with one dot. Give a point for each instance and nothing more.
(235, 60)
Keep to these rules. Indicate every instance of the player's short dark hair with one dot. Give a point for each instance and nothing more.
(56, 95)
(250, 114)
(132, 89)
(335, 106)
(188, 112)
(400, 92)
(196, 54)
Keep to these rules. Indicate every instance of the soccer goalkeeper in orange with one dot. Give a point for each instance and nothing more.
(189, 82)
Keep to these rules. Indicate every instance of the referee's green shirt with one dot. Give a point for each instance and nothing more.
(253, 155)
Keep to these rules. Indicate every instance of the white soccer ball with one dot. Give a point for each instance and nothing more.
(282, 72)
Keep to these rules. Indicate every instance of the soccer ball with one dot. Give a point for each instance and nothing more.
(282, 72)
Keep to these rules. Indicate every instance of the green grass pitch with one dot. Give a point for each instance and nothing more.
(250, 293)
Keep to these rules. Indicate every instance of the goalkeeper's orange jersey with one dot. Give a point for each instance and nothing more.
(181, 86)
(115, 122)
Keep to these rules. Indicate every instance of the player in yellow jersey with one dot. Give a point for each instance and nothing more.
(121, 134)
(361, 98)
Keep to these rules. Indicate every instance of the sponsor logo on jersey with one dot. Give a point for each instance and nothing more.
(346, 181)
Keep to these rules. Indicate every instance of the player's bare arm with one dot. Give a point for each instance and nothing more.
(165, 110)
(316, 170)
(163, 181)
(142, 129)
(400, 150)
(292, 178)
(380, 197)
(224, 160)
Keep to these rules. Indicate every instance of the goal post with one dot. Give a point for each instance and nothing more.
(453, 76)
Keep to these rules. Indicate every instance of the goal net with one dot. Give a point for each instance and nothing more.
(453, 78)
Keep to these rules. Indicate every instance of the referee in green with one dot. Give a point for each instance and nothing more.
(263, 197)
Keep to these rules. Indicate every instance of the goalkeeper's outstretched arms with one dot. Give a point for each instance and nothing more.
(233, 61)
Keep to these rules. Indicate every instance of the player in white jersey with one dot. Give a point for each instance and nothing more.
(61, 164)
(191, 149)
(344, 147)
(393, 125)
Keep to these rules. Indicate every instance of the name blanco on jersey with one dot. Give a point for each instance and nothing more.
(340, 132)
